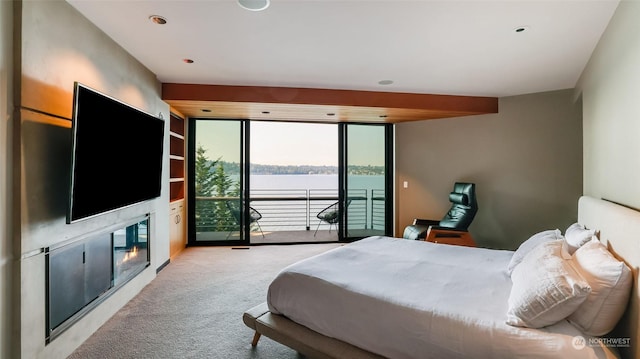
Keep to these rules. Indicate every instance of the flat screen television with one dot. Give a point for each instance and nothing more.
(117, 155)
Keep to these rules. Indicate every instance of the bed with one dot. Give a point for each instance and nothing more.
(379, 297)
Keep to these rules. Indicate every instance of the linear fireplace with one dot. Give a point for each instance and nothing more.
(130, 252)
(83, 273)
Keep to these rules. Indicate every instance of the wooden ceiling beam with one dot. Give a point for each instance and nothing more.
(307, 104)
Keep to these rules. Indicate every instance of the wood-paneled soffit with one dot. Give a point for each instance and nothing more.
(318, 105)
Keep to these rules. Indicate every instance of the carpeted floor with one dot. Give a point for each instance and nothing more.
(193, 309)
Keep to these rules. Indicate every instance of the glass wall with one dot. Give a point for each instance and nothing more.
(293, 176)
(283, 182)
(366, 180)
(217, 169)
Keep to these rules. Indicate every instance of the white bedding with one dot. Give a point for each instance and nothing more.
(412, 299)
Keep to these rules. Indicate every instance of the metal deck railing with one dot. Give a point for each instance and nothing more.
(294, 209)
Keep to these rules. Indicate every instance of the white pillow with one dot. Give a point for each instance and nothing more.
(610, 281)
(529, 244)
(577, 235)
(546, 288)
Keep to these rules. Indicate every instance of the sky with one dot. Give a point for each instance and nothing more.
(287, 143)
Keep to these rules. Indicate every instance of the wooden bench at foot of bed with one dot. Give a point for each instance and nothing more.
(298, 337)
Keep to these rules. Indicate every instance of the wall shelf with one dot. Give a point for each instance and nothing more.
(176, 158)
(177, 184)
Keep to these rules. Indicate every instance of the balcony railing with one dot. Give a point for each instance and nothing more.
(294, 209)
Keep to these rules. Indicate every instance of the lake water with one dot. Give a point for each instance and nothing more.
(292, 202)
(366, 194)
(313, 182)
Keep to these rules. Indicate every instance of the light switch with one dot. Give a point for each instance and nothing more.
(405, 184)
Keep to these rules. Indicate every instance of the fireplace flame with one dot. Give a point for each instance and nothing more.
(133, 253)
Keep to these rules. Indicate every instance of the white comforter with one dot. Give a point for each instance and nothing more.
(411, 299)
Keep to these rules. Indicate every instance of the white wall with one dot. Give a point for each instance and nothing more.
(610, 88)
(525, 160)
(6, 118)
(60, 46)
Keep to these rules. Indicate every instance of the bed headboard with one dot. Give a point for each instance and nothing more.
(619, 229)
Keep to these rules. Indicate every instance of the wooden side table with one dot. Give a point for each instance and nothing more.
(445, 236)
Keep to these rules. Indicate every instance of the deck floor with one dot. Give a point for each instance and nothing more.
(294, 237)
(280, 237)
(307, 236)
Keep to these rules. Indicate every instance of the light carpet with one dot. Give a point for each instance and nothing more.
(194, 307)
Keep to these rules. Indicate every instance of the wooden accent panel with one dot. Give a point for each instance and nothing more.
(176, 168)
(176, 125)
(176, 190)
(176, 146)
(304, 104)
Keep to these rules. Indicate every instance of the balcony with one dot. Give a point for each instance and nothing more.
(291, 215)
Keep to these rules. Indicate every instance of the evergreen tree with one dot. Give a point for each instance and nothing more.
(204, 173)
(211, 181)
(222, 183)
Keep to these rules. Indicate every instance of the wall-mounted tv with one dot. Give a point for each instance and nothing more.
(117, 155)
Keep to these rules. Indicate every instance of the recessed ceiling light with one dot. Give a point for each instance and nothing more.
(385, 82)
(187, 61)
(331, 114)
(520, 29)
(383, 116)
(254, 5)
(205, 110)
(265, 112)
(157, 19)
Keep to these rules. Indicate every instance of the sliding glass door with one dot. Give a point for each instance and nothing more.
(310, 182)
(217, 173)
(294, 177)
(367, 181)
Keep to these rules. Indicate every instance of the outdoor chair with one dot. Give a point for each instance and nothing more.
(330, 215)
(254, 215)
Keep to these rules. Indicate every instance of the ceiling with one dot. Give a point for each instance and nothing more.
(462, 48)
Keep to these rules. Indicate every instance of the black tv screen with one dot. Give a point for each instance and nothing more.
(117, 155)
